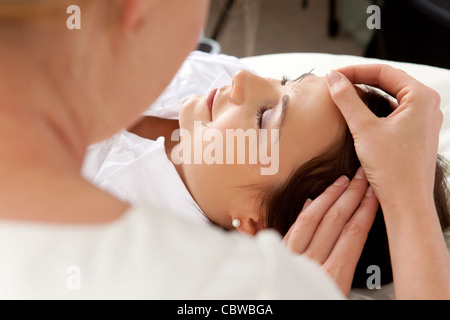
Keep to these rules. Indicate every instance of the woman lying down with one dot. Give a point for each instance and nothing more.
(311, 148)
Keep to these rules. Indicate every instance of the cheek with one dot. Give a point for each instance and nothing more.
(214, 187)
(233, 118)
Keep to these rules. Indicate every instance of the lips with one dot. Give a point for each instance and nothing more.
(210, 99)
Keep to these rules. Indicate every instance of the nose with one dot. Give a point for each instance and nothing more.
(250, 88)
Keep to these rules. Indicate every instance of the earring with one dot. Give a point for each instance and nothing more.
(236, 223)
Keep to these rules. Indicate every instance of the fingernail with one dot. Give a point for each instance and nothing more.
(333, 77)
(370, 192)
(341, 181)
(360, 173)
(306, 204)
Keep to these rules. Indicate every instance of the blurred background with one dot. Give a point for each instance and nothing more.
(411, 30)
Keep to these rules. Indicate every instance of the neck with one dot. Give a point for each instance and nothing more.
(40, 176)
(32, 136)
(42, 146)
(31, 142)
(34, 111)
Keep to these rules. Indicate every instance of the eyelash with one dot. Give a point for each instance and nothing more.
(260, 114)
(285, 79)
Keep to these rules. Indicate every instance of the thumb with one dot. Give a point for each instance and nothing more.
(346, 98)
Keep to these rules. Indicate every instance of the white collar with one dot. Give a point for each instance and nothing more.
(153, 179)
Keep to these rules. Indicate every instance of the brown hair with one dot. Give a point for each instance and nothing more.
(281, 205)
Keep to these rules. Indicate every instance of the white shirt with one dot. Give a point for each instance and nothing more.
(137, 170)
(149, 253)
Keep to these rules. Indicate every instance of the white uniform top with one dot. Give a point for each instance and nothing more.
(149, 253)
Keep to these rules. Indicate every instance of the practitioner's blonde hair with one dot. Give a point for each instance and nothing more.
(26, 10)
(21, 10)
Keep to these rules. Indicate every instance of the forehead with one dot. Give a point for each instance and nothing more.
(313, 122)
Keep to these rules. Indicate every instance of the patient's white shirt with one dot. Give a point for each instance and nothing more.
(137, 170)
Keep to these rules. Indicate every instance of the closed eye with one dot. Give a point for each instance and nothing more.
(260, 114)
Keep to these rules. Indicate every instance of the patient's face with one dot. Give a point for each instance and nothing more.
(306, 118)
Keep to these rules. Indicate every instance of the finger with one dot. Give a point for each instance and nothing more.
(385, 77)
(306, 224)
(305, 205)
(341, 263)
(336, 218)
(346, 98)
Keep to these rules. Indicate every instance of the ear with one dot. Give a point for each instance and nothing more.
(131, 11)
(249, 225)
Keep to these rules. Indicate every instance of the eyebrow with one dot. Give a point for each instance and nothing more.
(284, 105)
(285, 99)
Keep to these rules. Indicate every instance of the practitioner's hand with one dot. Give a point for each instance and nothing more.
(398, 153)
(333, 228)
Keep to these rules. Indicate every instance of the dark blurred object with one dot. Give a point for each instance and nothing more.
(333, 24)
(375, 253)
(222, 19)
(209, 46)
(415, 31)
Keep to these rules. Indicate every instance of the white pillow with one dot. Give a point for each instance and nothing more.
(295, 64)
